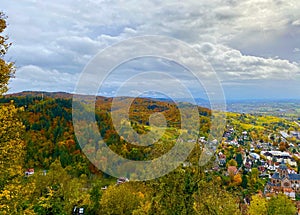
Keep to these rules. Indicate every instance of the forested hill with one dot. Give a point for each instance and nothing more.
(50, 135)
(64, 178)
(40, 94)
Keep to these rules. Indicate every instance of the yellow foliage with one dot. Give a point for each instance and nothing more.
(237, 179)
(11, 158)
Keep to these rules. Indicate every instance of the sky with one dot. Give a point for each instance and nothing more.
(252, 45)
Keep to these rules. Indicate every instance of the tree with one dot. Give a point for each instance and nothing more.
(244, 182)
(254, 173)
(11, 158)
(212, 199)
(237, 179)
(281, 205)
(11, 143)
(239, 159)
(6, 68)
(282, 146)
(172, 193)
(57, 192)
(258, 205)
(122, 199)
(95, 196)
(232, 162)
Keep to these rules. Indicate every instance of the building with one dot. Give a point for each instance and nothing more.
(78, 211)
(278, 156)
(122, 180)
(295, 134)
(232, 170)
(29, 172)
(284, 134)
(284, 180)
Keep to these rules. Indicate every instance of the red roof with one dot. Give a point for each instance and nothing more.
(232, 169)
(30, 170)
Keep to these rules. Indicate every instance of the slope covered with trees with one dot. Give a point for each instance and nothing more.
(65, 178)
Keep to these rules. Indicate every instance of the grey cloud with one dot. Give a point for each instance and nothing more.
(239, 38)
(296, 22)
(31, 77)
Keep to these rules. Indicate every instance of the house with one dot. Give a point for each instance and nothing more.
(254, 156)
(222, 159)
(278, 156)
(295, 134)
(234, 143)
(186, 164)
(284, 181)
(248, 164)
(244, 133)
(122, 180)
(202, 139)
(262, 168)
(232, 170)
(29, 172)
(289, 192)
(78, 211)
(284, 134)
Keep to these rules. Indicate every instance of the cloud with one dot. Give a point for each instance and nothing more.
(31, 77)
(296, 50)
(231, 64)
(241, 39)
(296, 22)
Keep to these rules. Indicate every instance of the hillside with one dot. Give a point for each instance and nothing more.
(50, 134)
(64, 177)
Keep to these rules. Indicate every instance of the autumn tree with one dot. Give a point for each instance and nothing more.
(11, 157)
(172, 193)
(282, 146)
(212, 199)
(6, 68)
(281, 205)
(57, 192)
(258, 205)
(11, 143)
(232, 162)
(124, 199)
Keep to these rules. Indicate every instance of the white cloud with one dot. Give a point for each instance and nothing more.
(231, 64)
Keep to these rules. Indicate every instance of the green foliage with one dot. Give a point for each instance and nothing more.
(172, 194)
(239, 159)
(232, 162)
(212, 199)
(258, 206)
(57, 192)
(281, 205)
(244, 181)
(123, 199)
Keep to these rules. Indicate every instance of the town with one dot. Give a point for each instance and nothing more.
(269, 164)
